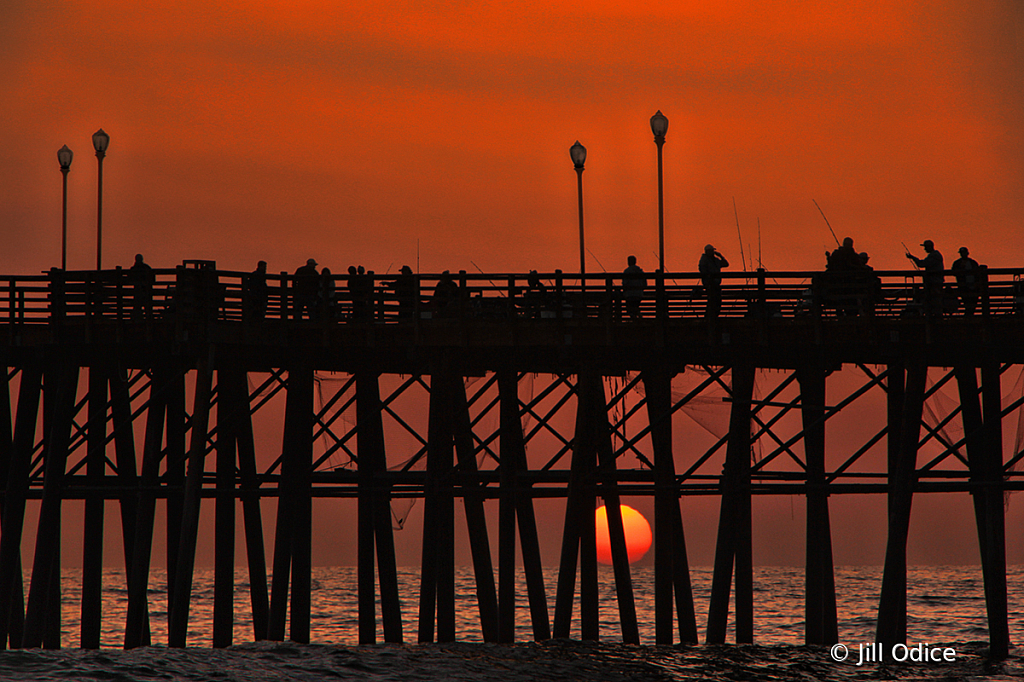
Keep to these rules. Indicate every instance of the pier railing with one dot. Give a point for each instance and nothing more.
(204, 293)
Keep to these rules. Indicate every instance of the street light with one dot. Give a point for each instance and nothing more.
(578, 154)
(659, 126)
(100, 140)
(64, 156)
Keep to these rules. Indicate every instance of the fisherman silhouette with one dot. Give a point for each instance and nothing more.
(710, 267)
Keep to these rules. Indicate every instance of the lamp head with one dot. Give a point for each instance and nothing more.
(100, 141)
(578, 154)
(659, 125)
(64, 156)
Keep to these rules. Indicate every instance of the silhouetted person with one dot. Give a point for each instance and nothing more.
(845, 258)
(446, 293)
(633, 285)
(327, 294)
(405, 292)
(142, 279)
(968, 280)
(536, 294)
(360, 289)
(933, 278)
(307, 284)
(256, 292)
(710, 268)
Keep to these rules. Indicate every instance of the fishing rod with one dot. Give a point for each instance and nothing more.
(914, 261)
(598, 261)
(736, 212)
(827, 223)
(497, 288)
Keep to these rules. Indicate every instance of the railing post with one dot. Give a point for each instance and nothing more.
(986, 304)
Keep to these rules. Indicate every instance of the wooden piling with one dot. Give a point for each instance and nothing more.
(820, 618)
(96, 464)
(671, 565)
(994, 542)
(519, 498)
(373, 465)
(292, 536)
(734, 520)
(892, 607)
(17, 611)
(437, 581)
(613, 516)
(476, 521)
(300, 382)
(578, 528)
(251, 510)
(11, 582)
(181, 597)
(60, 390)
(232, 403)
(127, 479)
(175, 456)
(508, 390)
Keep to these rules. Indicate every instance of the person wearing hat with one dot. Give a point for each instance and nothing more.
(307, 281)
(933, 278)
(968, 281)
(710, 267)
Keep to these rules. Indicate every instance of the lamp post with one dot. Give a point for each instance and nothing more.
(659, 126)
(100, 140)
(578, 154)
(64, 156)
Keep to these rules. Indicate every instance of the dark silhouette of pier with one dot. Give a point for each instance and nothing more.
(194, 330)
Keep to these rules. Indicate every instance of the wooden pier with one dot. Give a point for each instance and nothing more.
(190, 356)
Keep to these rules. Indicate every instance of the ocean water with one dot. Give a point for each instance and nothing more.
(946, 609)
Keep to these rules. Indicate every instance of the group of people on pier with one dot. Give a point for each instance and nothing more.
(848, 284)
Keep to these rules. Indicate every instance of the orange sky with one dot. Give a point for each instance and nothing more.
(287, 130)
(284, 130)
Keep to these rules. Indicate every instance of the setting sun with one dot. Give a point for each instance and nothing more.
(635, 527)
